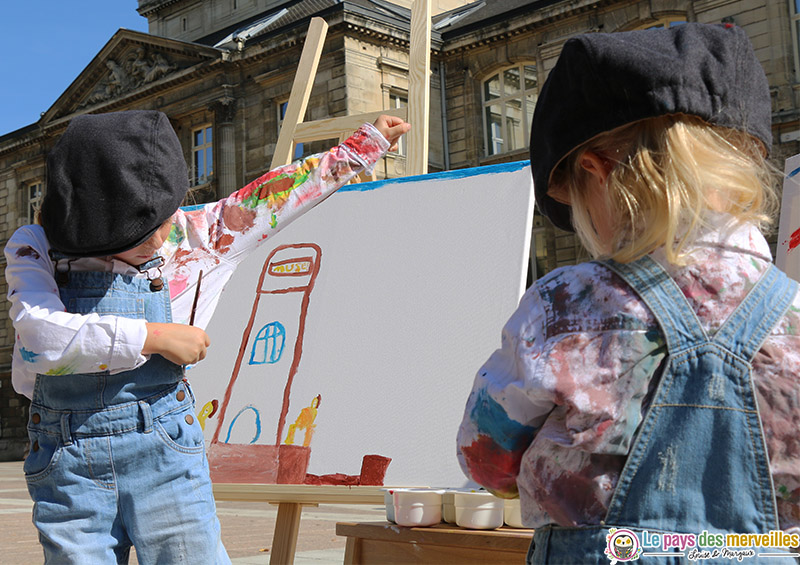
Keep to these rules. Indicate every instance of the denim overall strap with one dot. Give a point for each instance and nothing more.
(106, 293)
(699, 460)
(775, 297)
(675, 316)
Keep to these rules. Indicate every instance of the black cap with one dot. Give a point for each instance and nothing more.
(112, 180)
(602, 81)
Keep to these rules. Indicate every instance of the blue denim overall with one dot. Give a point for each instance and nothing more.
(699, 461)
(119, 460)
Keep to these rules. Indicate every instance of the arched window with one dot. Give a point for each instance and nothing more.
(268, 345)
(508, 101)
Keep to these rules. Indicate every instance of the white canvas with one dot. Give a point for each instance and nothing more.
(416, 278)
(787, 256)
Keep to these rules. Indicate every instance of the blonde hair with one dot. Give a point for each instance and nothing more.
(669, 172)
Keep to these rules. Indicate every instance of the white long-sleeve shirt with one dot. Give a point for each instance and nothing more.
(213, 238)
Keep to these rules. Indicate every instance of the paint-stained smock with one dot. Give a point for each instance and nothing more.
(213, 238)
(554, 411)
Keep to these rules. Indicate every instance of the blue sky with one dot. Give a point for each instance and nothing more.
(47, 44)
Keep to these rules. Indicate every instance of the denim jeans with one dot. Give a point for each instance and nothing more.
(119, 460)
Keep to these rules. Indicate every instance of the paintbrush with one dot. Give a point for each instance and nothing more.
(196, 296)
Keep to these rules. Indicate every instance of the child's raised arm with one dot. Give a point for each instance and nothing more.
(216, 237)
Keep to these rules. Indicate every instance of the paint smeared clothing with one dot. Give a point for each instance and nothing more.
(213, 238)
(556, 408)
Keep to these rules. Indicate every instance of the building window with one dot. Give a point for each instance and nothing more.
(508, 101)
(34, 194)
(794, 10)
(398, 100)
(298, 149)
(202, 155)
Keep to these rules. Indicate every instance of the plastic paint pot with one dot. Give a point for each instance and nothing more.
(478, 510)
(417, 507)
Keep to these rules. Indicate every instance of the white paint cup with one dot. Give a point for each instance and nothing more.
(478, 510)
(417, 507)
(512, 515)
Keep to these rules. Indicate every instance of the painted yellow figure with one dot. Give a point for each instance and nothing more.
(305, 421)
(208, 410)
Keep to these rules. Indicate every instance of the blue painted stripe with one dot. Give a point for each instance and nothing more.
(794, 172)
(492, 420)
(445, 175)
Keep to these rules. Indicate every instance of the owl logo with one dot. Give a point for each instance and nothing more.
(622, 545)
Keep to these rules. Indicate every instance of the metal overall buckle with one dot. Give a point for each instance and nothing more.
(156, 283)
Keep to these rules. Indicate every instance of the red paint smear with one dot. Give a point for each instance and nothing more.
(176, 286)
(214, 406)
(238, 219)
(27, 251)
(275, 186)
(244, 193)
(794, 241)
(333, 479)
(492, 466)
(603, 426)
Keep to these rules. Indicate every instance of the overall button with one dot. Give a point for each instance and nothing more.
(180, 396)
(35, 446)
(189, 419)
(35, 418)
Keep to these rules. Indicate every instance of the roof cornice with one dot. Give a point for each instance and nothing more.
(154, 6)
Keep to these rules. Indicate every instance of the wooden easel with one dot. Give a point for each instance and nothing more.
(291, 498)
(294, 131)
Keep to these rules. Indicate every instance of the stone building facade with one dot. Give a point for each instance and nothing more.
(222, 71)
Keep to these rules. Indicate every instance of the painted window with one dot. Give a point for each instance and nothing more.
(33, 191)
(508, 101)
(268, 345)
(202, 155)
(298, 148)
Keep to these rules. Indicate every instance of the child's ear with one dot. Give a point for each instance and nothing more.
(596, 165)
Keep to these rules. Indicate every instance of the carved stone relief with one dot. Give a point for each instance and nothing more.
(139, 68)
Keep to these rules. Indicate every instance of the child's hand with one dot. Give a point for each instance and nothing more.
(392, 129)
(179, 343)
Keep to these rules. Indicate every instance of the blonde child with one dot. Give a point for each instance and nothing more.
(100, 296)
(655, 388)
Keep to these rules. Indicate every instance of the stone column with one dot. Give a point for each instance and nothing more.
(225, 146)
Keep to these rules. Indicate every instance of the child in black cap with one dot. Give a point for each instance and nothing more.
(654, 388)
(100, 296)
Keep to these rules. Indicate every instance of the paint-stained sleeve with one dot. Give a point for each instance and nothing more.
(506, 407)
(50, 340)
(219, 235)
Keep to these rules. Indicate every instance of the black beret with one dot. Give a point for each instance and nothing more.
(112, 180)
(602, 81)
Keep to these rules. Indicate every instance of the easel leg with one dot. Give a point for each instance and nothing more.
(352, 551)
(284, 541)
